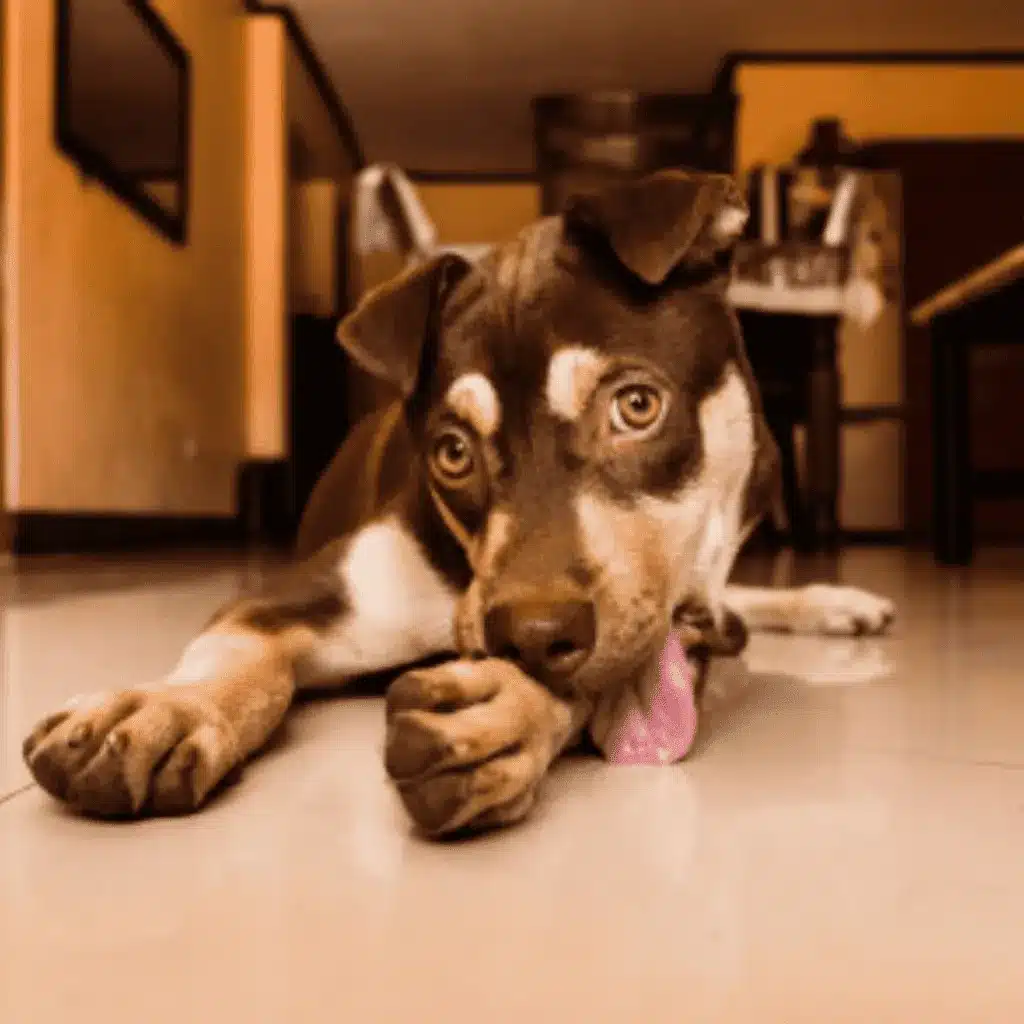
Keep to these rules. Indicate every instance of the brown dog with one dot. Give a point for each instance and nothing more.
(576, 458)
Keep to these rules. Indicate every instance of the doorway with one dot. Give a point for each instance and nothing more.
(318, 415)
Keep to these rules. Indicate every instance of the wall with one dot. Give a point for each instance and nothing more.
(296, 172)
(463, 213)
(266, 190)
(480, 212)
(320, 182)
(778, 102)
(313, 250)
(122, 353)
(4, 536)
(310, 121)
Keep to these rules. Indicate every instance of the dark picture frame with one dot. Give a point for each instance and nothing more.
(97, 165)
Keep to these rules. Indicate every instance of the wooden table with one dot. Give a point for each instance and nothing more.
(816, 525)
(986, 306)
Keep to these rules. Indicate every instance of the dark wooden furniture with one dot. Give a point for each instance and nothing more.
(984, 308)
(790, 278)
(584, 141)
(795, 361)
(963, 205)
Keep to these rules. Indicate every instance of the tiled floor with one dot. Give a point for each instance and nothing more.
(846, 844)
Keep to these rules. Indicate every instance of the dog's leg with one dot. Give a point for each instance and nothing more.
(468, 742)
(161, 748)
(368, 603)
(818, 608)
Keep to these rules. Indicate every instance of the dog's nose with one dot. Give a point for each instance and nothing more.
(549, 638)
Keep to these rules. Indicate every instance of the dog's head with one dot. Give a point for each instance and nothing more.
(587, 422)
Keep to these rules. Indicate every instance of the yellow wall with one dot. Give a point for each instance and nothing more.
(778, 102)
(480, 212)
(289, 224)
(123, 359)
(266, 233)
(313, 246)
(4, 267)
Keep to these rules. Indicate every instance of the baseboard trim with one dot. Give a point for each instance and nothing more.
(62, 533)
(872, 413)
(266, 517)
(874, 538)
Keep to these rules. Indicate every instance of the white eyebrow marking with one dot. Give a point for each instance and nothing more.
(472, 396)
(573, 374)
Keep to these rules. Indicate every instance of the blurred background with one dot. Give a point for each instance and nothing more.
(194, 191)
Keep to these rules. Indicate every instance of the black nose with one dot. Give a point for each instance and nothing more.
(549, 638)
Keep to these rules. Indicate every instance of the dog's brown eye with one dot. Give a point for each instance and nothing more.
(636, 407)
(452, 455)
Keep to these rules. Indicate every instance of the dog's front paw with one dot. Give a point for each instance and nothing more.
(121, 755)
(841, 611)
(468, 742)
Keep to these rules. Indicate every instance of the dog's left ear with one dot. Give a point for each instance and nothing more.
(667, 219)
(387, 333)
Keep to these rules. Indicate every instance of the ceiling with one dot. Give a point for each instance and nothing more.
(445, 85)
(315, 148)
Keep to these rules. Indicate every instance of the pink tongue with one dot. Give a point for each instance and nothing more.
(666, 733)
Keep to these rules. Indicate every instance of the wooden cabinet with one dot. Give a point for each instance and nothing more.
(586, 141)
(963, 205)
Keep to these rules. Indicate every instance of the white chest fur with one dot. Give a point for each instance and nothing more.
(400, 608)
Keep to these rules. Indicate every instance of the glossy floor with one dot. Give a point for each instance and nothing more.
(846, 844)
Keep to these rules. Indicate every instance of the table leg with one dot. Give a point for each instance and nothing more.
(823, 436)
(953, 527)
(781, 427)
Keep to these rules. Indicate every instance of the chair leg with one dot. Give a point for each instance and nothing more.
(953, 533)
(823, 436)
(792, 496)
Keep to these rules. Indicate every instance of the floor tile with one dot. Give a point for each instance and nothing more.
(843, 845)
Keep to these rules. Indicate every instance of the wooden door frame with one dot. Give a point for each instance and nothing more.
(5, 522)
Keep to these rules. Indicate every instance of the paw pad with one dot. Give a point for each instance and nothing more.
(80, 735)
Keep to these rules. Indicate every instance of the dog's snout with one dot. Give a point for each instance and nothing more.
(550, 638)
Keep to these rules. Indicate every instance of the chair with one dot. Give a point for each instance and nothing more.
(795, 277)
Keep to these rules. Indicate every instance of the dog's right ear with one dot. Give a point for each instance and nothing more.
(387, 332)
(663, 220)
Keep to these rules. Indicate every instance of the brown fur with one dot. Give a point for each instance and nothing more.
(565, 525)
(163, 749)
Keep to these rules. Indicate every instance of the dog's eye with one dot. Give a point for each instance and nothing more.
(452, 455)
(636, 408)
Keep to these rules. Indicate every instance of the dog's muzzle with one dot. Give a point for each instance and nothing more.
(549, 638)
